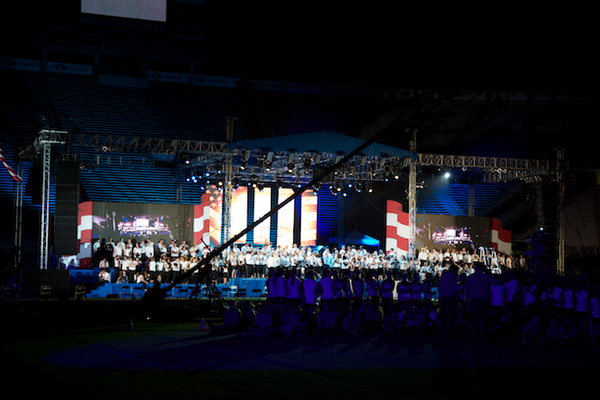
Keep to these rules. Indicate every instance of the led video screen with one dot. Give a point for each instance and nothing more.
(140, 221)
(447, 231)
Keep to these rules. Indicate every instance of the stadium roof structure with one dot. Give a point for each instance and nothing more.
(320, 142)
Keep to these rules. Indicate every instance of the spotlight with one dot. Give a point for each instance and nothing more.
(185, 158)
(290, 167)
(243, 164)
(447, 175)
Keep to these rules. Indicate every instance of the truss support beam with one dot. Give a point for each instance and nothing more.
(45, 141)
(19, 191)
(560, 218)
(412, 198)
(227, 194)
(488, 164)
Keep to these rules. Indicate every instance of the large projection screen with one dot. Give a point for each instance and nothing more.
(151, 10)
(447, 231)
(139, 221)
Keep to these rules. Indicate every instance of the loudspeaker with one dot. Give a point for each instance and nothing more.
(66, 208)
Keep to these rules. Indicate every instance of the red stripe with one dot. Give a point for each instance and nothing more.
(403, 244)
(391, 232)
(85, 208)
(503, 234)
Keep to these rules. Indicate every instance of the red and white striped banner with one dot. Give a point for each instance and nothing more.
(396, 229)
(500, 239)
(11, 171)
(207, 219)
(85, 223)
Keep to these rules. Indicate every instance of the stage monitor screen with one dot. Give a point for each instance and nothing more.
(142, 221)
(446, 231)
(150, 10)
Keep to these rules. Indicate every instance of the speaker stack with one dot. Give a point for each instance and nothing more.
(66, 208)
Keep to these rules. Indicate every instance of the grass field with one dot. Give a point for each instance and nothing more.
(107, 350)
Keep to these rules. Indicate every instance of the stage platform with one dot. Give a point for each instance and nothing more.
(236, 288)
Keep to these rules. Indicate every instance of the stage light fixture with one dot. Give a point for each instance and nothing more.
(307, 164)
(185, 158)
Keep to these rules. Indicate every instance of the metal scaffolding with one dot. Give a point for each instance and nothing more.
(45, 141)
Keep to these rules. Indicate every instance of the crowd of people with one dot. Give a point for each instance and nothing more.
(451, 294)
(532, 307)
(130, 261)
